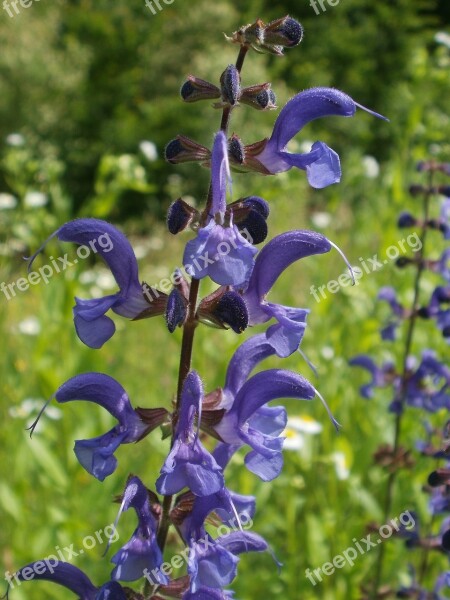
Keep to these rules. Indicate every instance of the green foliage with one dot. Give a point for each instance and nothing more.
(85, 82)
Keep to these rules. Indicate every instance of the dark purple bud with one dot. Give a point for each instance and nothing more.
(176, 310)
(182, 149)
(230, 85)
(403, 262)
(416, 190)
(260, 97)
(444, 190)
(224, 309)
(254, 227)
(180, 215)
(249, 215)
(446, 540)
(267, 99)
(439, 477)
(423, 312)
(258, 204)
(406, 219)
(232, 311)
(446, 332)
(283, 32)
(195, 89)
(236, 150)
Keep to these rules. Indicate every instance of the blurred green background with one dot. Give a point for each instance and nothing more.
(89, 98)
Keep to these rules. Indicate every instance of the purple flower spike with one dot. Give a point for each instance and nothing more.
(274, 258)
(240, 423)
(92, 326)
(219, 251)
(141, 553)
(97, 455)
(72, 578)
(189, 464)
(321, 164)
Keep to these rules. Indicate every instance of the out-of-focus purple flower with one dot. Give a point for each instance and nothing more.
(442, 265)
(93, 327)
(439, 309)
(71, 578)
(389, 295)
(321, 164)
(442, 581)
(189, 464)
(141, 553)
(429, 386)
(97, 455)
(285, 336)
(381, 377)
(219, 251)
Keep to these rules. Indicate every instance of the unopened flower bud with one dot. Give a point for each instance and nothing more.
(260, 97)
(230, 85)
(249, 216)
(236, 150)
(402, 262)
(406, 219)
(176, 310)
(194, 89)
(183, 149)
(224, 309)
(180, 215)
(283, 32)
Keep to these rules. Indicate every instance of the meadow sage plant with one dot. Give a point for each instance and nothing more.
(418, 383)
(207, 427)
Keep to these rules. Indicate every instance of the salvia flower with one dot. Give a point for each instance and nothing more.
(213, 563)
(285, 336)
(97, 455)
(141, 553)
(73, 579)
(93, 327)
(189, 464)
(242, 424)
(219, 251)
(321, 164)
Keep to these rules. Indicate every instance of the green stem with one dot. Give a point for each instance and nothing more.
(408, 346)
